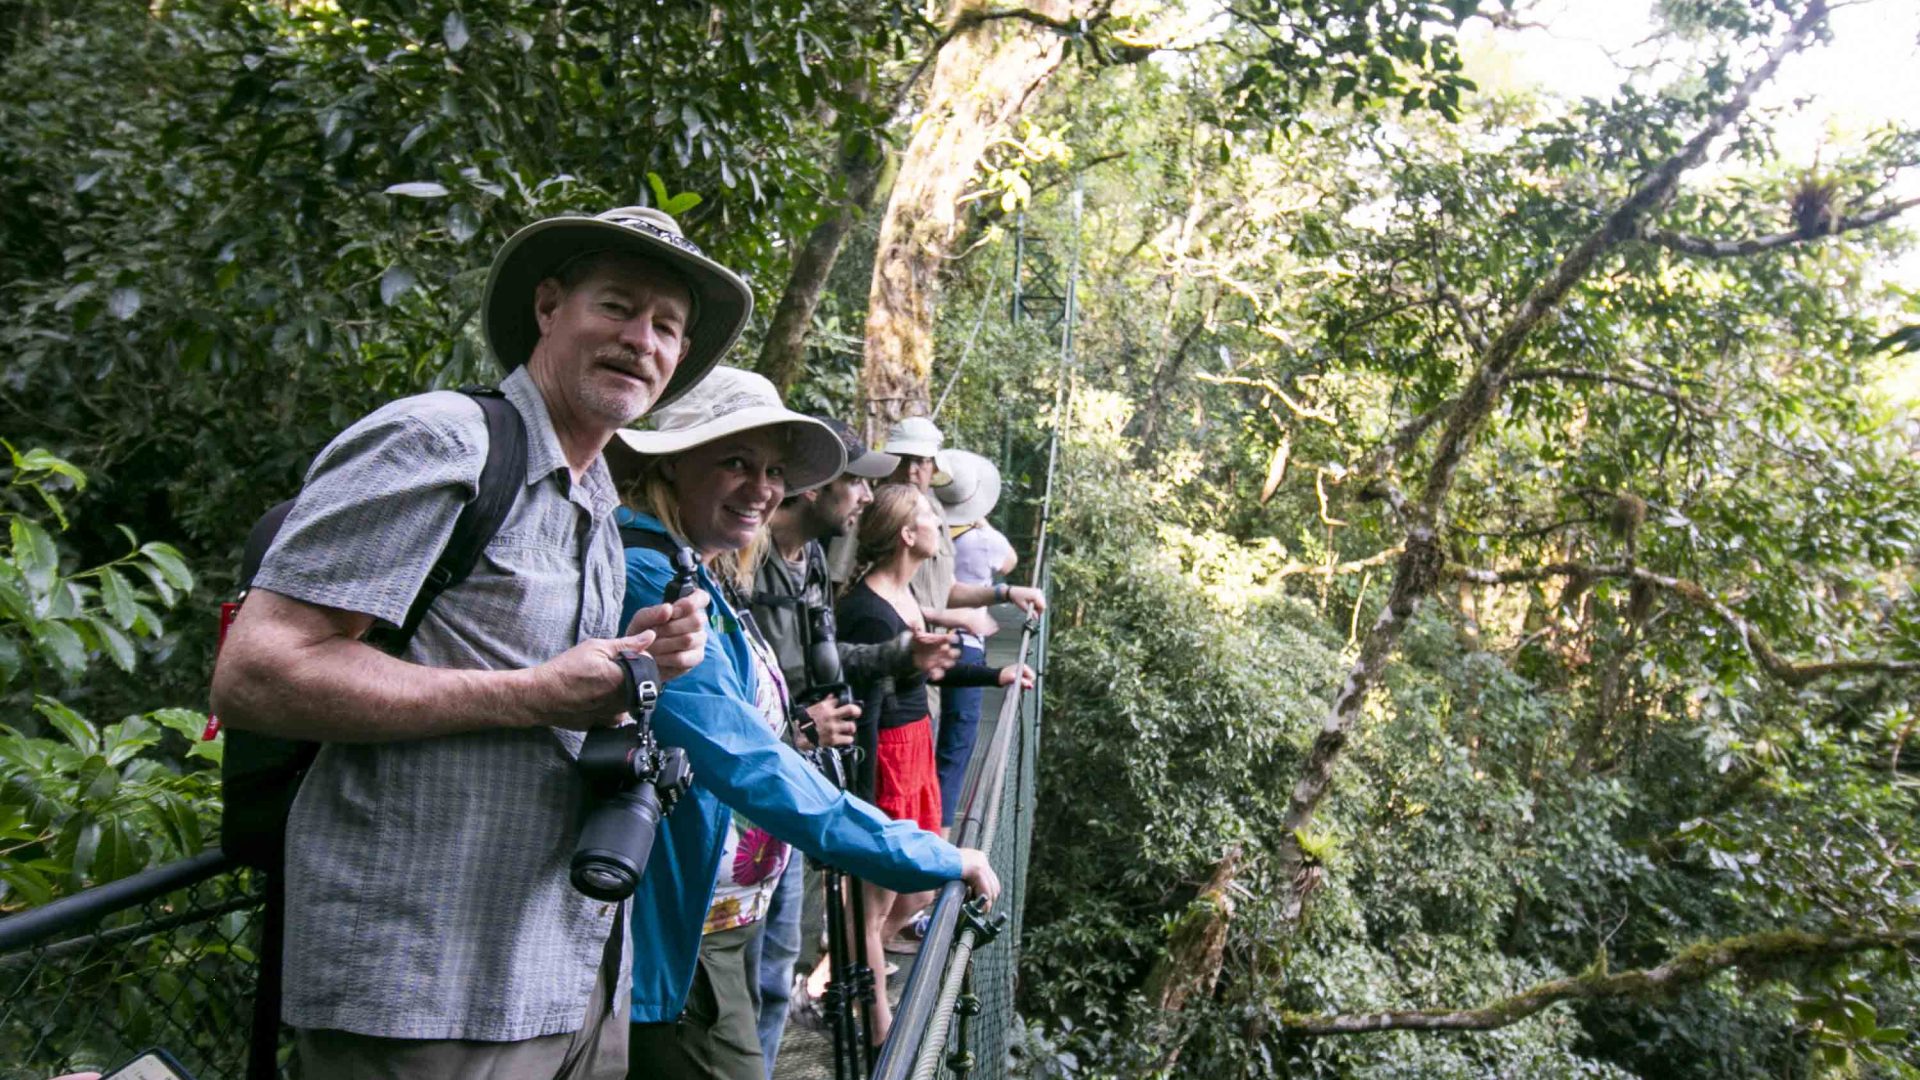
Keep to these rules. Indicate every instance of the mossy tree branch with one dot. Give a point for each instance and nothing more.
(1709, 248)
(1756, 643)
(1687, 968)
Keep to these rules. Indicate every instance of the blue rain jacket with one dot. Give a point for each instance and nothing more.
(737, 762)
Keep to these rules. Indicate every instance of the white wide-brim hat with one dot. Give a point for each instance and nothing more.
(721, 300)
(972, 486)
(728, 402)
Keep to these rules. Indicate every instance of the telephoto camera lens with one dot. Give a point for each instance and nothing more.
(631, 785)
(615, 840)
(823, 654)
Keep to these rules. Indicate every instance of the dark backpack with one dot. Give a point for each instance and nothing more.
(260, 774)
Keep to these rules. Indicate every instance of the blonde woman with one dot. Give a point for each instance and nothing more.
(708, 476)
(901, 530)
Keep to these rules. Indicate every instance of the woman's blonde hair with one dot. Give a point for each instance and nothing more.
(892, 510)
(650, 491)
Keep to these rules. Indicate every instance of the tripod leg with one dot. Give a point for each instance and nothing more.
(842, 983)
(869, 979)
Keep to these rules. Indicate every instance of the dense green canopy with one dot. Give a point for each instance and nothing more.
(1487, 537)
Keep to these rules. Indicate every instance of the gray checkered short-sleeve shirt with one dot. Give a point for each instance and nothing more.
(427, 891)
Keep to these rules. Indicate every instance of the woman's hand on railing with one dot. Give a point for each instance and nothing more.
(1017, 671)
(978, 873)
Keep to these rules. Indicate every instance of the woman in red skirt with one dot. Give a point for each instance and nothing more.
(900, 531)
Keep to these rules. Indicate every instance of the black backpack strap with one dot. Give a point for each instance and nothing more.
(259, 539)
(633, 536)
(501, 479)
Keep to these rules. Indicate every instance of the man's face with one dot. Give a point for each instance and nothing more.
(917, 471)
(609, 344)
(837, 506)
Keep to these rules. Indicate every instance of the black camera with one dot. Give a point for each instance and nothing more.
(825, 679)
(632, 781)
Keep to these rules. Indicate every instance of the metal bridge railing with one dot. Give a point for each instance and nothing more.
(959, 1013)
(166, 957)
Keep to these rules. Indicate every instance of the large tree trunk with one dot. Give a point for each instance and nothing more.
(783, 357)
(986, 73)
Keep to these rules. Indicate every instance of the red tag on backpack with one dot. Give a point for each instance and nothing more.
(228, 612)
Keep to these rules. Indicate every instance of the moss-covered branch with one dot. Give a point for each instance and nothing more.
(1787, 671)
(1708, 248)
(1687, 968)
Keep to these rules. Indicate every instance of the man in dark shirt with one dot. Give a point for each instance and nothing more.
(792, 578)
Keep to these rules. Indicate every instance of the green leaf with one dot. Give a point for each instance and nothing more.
(168, 559)
(161, 586)
(54, 506)
(121, 852)
(148, 622)
(682, 203)
(118, 597)
(98, 780)
(659, 188)
(418, 189)
(10, 662)
(38, 460)
(28, 884)
(74, 295)
(115, 643)
(80, 839)
(396, 283)
(71, 725)
(213, 750)
(124, 303)
(463, 224)
(34, 554)
(184, 721)
(194, 357)
(124, 741)
(454, 31)
(69, 651)
(13, 603)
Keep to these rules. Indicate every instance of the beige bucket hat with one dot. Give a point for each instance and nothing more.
(727, 402)
(967, 488)
(721, 300)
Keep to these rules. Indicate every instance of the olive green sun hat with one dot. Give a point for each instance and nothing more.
(721, 300)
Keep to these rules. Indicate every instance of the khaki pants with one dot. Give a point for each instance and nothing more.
(717, 1036)
(598, 1051)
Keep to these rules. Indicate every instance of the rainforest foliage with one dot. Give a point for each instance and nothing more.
(1485, 635)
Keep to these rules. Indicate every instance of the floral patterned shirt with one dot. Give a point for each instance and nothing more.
(752, 861)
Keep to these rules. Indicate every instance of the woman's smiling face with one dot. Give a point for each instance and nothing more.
(728, 488)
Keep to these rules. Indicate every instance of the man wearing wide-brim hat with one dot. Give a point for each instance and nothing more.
(431, 930)
(966, 488)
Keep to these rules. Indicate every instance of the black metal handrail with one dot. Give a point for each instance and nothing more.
(90, 906)
(168, 956)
